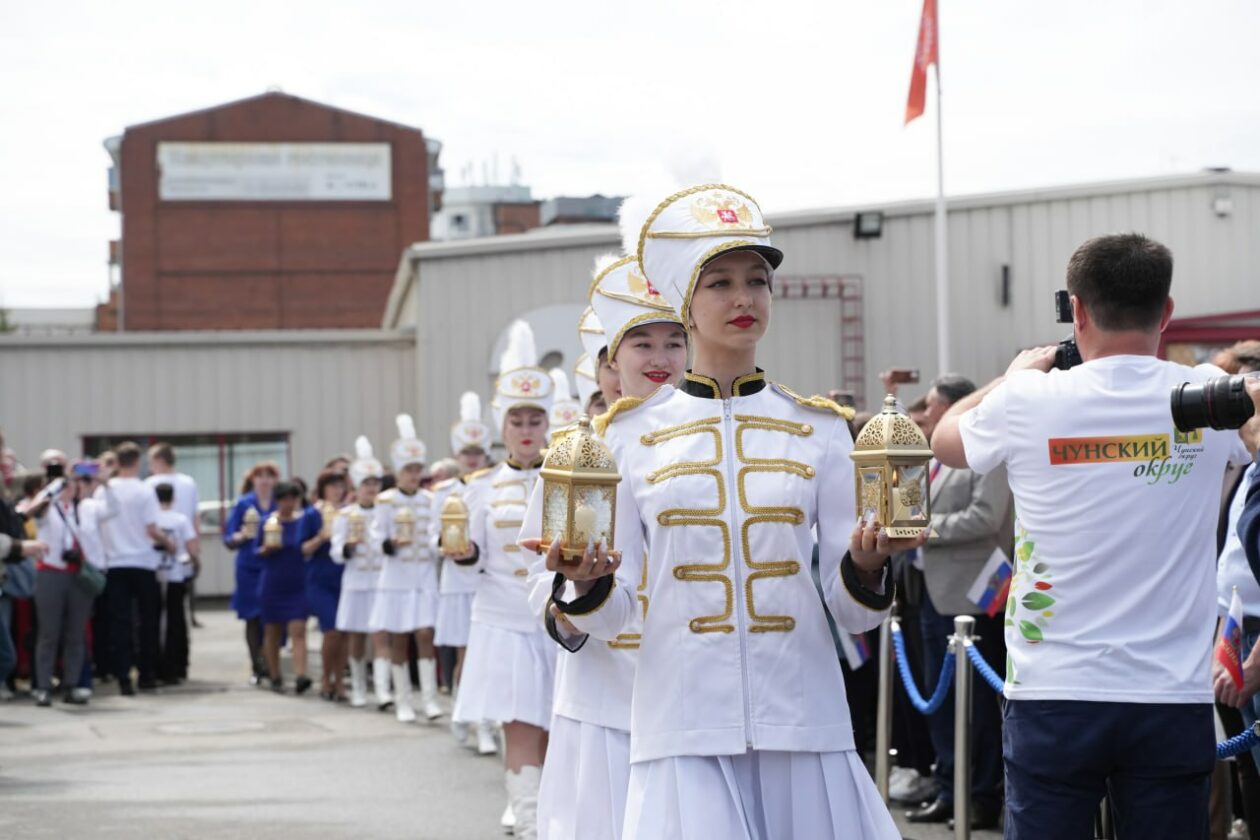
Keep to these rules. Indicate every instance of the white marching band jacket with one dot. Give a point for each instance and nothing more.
(496, 502)
(413, 565)
(736, 651)
(363, 565)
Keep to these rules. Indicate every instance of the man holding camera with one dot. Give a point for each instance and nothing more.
(1112, 603)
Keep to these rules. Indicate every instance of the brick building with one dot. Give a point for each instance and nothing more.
(273, 212)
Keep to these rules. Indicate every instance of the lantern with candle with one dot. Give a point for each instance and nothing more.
(891, 458)
(579, 492)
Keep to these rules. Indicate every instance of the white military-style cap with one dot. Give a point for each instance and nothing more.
(470, 431)
(694, 226)
(586, 378)
(364, 466)
(521, 383)
(408, 449)
(591, 333)
(565, 410)
(623, 298)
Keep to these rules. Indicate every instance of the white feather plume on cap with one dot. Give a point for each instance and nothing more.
(470, 406)
(364, 465)
(521, 383)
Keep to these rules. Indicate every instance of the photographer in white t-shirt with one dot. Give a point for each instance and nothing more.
(1112, 605)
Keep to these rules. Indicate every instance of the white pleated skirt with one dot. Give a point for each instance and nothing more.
(756, 796)
(584, 782)
(403, 610)
(454, 615)
(354, 610)
(508, 676)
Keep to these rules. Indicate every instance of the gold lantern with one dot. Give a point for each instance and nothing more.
(579, 492)
(272, 532)
(891, 458)
(358, 526)
(327, 515)
(455, 526)
(404, 526)
(249, 526)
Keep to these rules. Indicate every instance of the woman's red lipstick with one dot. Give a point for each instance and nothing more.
(657, 376)
(743, 321)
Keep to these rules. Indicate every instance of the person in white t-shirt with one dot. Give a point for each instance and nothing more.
(134, 543)
(176, 571)
(187, 500)
(1111, 608)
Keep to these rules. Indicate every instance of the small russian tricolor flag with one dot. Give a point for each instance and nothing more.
(857, 650)
(1229, 645)
(992, 585)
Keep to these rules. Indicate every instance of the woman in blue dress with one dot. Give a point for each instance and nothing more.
(323, 579)
(257, 495)
(282, 585)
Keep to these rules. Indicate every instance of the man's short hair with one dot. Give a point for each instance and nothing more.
(128, 454)
(1122, 280)
(165, 493)
(1246, 355)
(953, 387)
(162, 451)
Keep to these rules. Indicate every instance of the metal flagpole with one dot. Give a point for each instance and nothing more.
(942, 247)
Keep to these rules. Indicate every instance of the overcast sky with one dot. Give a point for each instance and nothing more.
(800, 103)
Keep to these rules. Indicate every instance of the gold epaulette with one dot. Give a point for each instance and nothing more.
(387, 497)
(476, 474)
(621, 406)
(817, 403)
(444, 483)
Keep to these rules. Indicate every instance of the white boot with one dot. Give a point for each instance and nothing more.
(380, 683)
(358, 683)
(487, 744)
(523, 793)
(459, 728)
(428, 689)
(402, 694)
(507, 822)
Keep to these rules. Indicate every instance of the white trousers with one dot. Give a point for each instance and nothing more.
(756, 796)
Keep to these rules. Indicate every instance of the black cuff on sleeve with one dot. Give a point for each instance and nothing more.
(471, 561)
(866, 597)
(347, 551)
(586, 604)
(571, 645)
(388, 547)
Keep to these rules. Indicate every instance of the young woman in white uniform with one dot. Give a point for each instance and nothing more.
(407, 589)
(355, 543)
(509, 669)
(469, 438)
(583, 793)
(739, 723)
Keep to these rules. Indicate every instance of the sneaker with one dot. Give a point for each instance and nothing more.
(78, 696)
(277, 685)
(905, 784)
(41, 697)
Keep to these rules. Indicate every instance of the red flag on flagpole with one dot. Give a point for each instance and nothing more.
(925, 53)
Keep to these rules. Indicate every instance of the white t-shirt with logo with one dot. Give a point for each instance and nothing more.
(1113, 598)
(127, 540)
(176, 526)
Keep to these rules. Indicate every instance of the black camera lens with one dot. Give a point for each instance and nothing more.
(1221, 403)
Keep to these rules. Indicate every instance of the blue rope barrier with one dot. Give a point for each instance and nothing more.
(985, 670)
(1240, 743)
(925, 707)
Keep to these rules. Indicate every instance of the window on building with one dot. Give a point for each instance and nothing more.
(217, 463)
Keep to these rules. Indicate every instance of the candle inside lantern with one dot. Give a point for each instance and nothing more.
(584, 523)
(272, 532)
(249, 527)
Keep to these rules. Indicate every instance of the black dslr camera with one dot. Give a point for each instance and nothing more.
(1222, 403)
(1068, 355)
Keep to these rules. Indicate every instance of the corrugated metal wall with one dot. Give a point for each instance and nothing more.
(463, 296)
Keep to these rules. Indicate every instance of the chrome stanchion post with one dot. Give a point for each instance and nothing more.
(963, 626)
(883, 706)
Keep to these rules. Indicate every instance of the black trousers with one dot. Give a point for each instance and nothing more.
(132, 594)
(174, 665)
